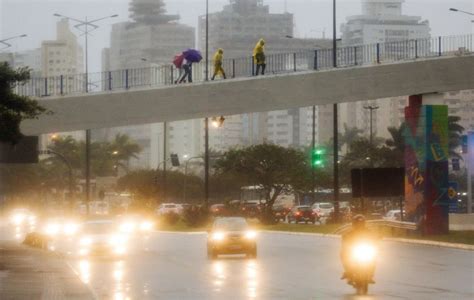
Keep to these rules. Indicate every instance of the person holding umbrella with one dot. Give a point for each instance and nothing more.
(259, 56)
(218, 57)
(190, 56)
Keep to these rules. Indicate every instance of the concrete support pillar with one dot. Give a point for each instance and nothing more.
(426, 165)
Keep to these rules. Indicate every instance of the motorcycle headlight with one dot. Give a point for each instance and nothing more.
(250, 235)
(364, 253)
(218, 236)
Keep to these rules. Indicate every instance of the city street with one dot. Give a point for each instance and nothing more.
(175, 266)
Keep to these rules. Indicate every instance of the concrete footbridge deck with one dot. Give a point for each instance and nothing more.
(252, 94)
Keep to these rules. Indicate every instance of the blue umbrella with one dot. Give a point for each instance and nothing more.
(192, 55)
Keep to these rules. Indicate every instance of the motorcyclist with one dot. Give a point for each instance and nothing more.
(358, 232)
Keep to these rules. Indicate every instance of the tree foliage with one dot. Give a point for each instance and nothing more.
(276, 169)
(14, 108)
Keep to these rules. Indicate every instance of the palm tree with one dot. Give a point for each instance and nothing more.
(123, 149)
(350, 135)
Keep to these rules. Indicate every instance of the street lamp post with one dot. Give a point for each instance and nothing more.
(313, 148)
(83, 25)
(206, 120)
(335, 118)
(8, 45)
(371, 108)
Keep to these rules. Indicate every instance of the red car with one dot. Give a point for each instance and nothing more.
(302, 213)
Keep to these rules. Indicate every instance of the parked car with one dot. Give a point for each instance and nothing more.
(323, 209)
(218, 210)
(167, 208)
(393, 215)
(302, 213)
(249, 210)
(281, 212)
(231, 236)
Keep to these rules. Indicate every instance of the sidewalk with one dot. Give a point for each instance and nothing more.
(27, 273)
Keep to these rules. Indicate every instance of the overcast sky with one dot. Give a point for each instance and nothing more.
(312, 17)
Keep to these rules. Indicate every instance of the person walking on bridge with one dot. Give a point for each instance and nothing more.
(218, 58)
(259, 56)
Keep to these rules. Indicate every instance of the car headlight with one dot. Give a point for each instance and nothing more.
(51, 229)
(18, 219)
(146, 226)
(86, 241)
(32, 220)
(364, 253)
(70, 229)
(218, 236)
(250, 234)
(127, 227)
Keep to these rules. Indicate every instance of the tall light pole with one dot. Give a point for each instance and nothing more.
(83, 25)
(335, 118)
(8, 45)
(371, 108)
(313, 148)
(206, 120)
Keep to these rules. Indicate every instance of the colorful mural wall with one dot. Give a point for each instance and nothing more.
(426, 166)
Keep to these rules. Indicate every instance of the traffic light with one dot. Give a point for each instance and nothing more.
(318, 157)
(464, 144)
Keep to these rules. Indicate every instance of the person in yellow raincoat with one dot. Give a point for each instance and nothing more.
(259, 56)
(218, 57)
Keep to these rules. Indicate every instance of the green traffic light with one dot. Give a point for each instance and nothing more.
(317, 158)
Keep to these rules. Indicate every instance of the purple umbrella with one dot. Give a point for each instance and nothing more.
(192, 55)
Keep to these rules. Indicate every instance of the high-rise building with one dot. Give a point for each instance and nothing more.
(381, 21)
(63, 56)
(151, 39)
(236, 29)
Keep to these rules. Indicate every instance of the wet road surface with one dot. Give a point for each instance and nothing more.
(175, 266)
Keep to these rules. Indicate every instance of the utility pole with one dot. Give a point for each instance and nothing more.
(313, 148)
(335, 118)
(165, 133)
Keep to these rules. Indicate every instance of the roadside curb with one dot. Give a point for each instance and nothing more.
(181, 232)
(327, 235)
(398, 240)
(432, 243)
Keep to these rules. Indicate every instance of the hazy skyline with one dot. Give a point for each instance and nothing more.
(312, 17)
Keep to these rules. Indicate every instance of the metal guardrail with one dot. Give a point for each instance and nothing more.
(408, 226)
(280, 63)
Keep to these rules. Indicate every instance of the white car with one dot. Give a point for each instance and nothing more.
(167, 208)
(393, 215)
(102, 237)
(323, 209)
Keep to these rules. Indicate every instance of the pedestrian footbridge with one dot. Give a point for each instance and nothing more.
(293, 81)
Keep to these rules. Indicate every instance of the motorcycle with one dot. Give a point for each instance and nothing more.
(363, 255)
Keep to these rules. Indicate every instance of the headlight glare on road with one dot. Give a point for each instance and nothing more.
(218, 236)
(250, 234)
(364, 253)
(127, 227)
(18, 219)
(52, 229)
(117, 240)
(120, 250)
(70, 229)
(146, 226)
(86, 241)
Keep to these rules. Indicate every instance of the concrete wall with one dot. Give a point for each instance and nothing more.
(459, 222)
(268, 93)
